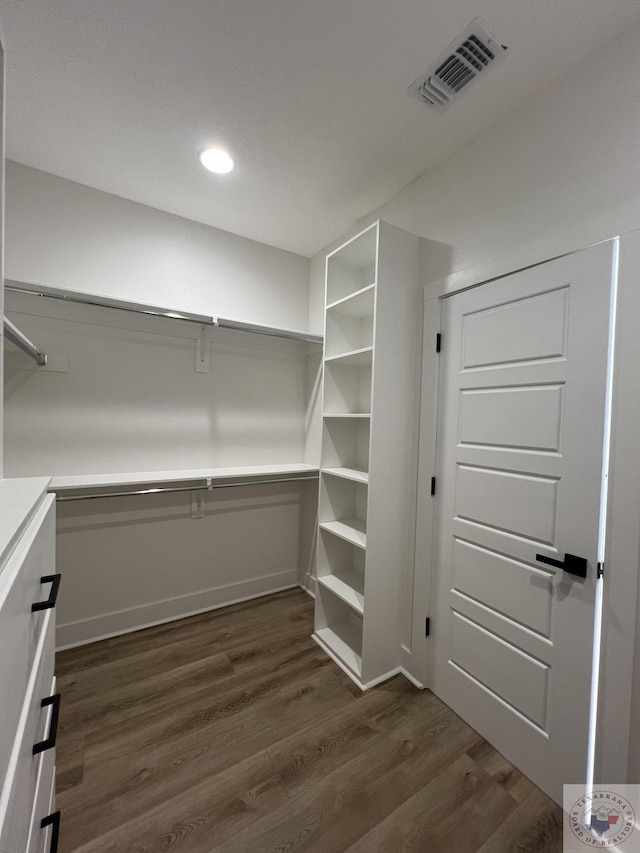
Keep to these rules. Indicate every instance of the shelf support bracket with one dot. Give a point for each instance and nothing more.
(203, 356)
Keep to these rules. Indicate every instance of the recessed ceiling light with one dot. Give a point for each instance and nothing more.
(216, 160)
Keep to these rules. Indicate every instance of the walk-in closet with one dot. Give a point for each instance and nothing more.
(319, 479)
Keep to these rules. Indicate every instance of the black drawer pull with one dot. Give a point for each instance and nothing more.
(52, 820)
(50, 741)
(54, 580)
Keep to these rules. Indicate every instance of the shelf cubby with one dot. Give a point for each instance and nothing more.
(347, 388)
(342, 500)
(345, 333)
(339, 630)
(353, 267)
(352, 530)
(362, 357)
(348, 474)
(358, 304)
(345, 443)
(341, 569)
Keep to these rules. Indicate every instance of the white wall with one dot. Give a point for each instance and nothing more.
(133, 561)
(121, 393)
(68, 235)
(558, 174)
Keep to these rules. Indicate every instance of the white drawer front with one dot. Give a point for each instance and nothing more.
(18, 793)
(43, 804)
(20, 629)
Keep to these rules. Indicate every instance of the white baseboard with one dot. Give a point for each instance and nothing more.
(309, 585)
(107, 625)
(356, 680)
(413, 680)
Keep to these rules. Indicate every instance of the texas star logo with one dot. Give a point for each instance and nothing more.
(602, 819)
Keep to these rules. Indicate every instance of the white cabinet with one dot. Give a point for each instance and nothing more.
(366, 508)
(28, 701)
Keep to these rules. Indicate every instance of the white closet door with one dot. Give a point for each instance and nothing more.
(520, 440)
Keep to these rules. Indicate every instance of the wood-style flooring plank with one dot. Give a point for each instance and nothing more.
(457, 811)
(232, 732)
(504, 773)
(176, 752)
(535, 826)
(341, 807)
(224, 626)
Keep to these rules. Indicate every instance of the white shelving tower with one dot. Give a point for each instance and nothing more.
(367, 482)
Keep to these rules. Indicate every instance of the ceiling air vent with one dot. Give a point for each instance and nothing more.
(466, 59)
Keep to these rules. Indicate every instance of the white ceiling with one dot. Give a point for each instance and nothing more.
(308, 95)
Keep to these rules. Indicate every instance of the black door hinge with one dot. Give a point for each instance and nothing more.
(427, 626)
(438, 342)
(600, 569)
(433, 485)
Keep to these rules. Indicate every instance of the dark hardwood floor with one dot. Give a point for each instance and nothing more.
(232, 731)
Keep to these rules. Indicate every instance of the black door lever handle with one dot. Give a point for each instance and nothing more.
(574, 565)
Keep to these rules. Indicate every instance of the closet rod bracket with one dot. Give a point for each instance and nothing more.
(12, 333)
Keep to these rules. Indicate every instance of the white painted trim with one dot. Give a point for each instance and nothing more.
(334, 657)
(363, 686)
(618, 749)
(369, 684)
(417, 663)
(485, 272)
(309, 585)
(382, 678)
(157, 613)
(413, 680)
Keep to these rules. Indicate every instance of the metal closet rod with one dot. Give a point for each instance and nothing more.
(206, 487)
(51, 292)
(12, 333)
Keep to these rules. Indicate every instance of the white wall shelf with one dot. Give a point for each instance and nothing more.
(349, 415)
(349, 588)
(352, 268)
(348, 474)
(82, 298)
(352, 530)
(353, 358)
(366, 508)
(344, 641)
(358, 304)
(77, 482)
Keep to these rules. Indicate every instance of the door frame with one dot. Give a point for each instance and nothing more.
(617, 755)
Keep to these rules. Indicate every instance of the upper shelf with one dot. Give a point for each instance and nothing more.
(352, 267)
(358, 304)
(144, 478)
(76, 296)
(356, 358)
